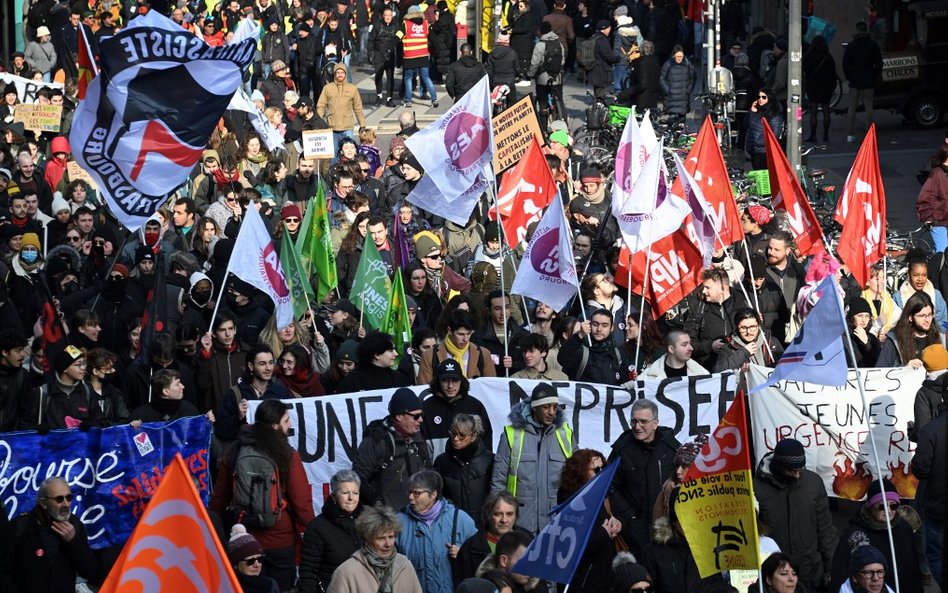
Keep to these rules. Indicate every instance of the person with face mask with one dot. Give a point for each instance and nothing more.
(116, 309)
(198, 302)
(794, 504)
(23, 285)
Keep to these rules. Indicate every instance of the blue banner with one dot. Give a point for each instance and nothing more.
(113, 472)
(555, 553)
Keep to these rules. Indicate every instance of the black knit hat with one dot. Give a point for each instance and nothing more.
(790, 454)
(857, 305)
(863, 553)
(403, 400)
(627, 572)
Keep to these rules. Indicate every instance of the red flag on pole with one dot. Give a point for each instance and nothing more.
(174, 546)
(706, 164)
(861, 211)
(525, 190)
(788, 196)
(87, 66)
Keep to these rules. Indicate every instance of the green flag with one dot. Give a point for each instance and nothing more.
(396, 322)
(371, 286)
(315, 246)
(301, 292)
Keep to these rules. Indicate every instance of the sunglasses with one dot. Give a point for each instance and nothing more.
(231, 200)
(60, 499)
(366, 170)
(641, 590)
(291, 220)
(762, 97)
(73, 239)
(253, 560)
(892, 505)
(416, 416)
(436, 256)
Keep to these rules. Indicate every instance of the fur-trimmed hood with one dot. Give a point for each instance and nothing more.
(662, 531)
(521, 417)
(490, 564)
(629, 31)
(68, 253)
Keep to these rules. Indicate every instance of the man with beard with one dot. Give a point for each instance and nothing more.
(268, 437)
(596, 360)
(302, 185)
(784, 269)
(51, 546)
(451, 396)
(793, 503)
(256, 384)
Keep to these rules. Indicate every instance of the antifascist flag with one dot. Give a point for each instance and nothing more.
(788, 196)
(315, 246)
(861, 211)
(301, 292)
(525, 190)
(715, 503)
(371, 286)
(88, 69)
(548, 271)
(706, 165)
(396, 322)
(148, 115)
(174, 546)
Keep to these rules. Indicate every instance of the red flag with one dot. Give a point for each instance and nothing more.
(788, 195)
(675, 270)
(87, 66)
(174, 546)
(706, 164)
(861, 211)
(524, 192)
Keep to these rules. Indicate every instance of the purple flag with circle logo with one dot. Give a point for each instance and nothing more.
(548, 271)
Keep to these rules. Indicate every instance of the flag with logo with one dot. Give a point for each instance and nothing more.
(547, 271)
(149, 113)
(715, 503)
(648, 132)
(861, 211)
(371, 286)
(256, 262)
(525, 190)
(630, 159)
(555, 552)
(788, 196)
(455, 151)
(301, 292)
(705, 164)
(315, 246)
(88, 69)
(701, 217)
(397, 322)
(174, 546)
(401, 252)
(816, 353)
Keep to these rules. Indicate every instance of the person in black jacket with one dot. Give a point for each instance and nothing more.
(603, 362)
(862, 64)
(669, 560)
(467, 464)
(866, 345)
(450, 396)
(646, 455)
(600, 77)
(463, 74)
(503, 67)
(506, 354)
(524, 23)
(168, 402)
(498, 516)
(929, 466)
(331, 537)
(383, 47)
(645, 90)
(377, 354)
(14, 379)
(306, 48)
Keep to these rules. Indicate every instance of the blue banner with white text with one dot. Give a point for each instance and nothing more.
(112, 472)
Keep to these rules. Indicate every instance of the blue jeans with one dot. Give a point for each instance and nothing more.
(620, 77)
(409, 74)
(934, 540)
(939, 238)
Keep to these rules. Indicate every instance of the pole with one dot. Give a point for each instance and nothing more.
(582, 309)
(478, 24)
(220, 297)
(794, 86)
(503, 289)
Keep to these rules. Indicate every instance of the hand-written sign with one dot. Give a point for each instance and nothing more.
(74, 171)
(513, 132)
(43, 118)
(318, 144)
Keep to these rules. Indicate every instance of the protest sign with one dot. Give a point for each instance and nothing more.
(26, 89)
(514, 130)
(43, 118)
(832, 425)
(318, 144)
(112, 472)
(74, 171)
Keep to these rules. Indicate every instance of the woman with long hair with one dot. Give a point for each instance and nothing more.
(648, 340)
(297, 333)
(350, 252)
(766, 106)
(418, 287)
(253, 159)
(914, 332)
(205, 234)
(295, 372)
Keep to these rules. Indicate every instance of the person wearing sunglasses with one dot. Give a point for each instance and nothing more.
(765, 107)
(49, 544)
(868, 525)
(246, 556)
(628, 576)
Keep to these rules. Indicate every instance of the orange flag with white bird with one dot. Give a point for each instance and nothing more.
(174, 546)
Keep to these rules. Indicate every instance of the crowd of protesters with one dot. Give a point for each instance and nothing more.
(429, 503)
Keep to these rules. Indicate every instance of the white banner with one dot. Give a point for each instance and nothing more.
(329, 429)
(831, 424)
(26, 89)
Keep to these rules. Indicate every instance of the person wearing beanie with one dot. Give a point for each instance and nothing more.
(543, 440)
(753, 220)
(392, 449)
(628, 576)
(866, 345)
(867, 529)
(589, 208)
(684, 457)
(794, 504)
(451, 396)
(345, 363)
(376, 360)
(64, 401)
(24, 286)
(867, 569)
(246, 556)
(928, 399)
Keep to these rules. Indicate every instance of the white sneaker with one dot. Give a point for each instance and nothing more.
(851, 139)
(524, 83)
(83, 588)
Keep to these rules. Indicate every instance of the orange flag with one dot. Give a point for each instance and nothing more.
(861, 211)
(706, 164)
(174, 547)
(87, 66)
(788, 195)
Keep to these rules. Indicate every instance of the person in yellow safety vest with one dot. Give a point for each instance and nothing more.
(532, 451)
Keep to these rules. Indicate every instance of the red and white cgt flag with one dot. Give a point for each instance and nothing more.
(788, 195)
(861, 211)
(525, 190)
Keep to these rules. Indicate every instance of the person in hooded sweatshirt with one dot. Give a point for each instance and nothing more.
(463, 74)
(56, 166)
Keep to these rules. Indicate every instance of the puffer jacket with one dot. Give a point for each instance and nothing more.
(536, 62)
(755, 142)
(330, 539)
(708, 322)
(543, 454)
(384, 460)
(677, 82)
(799, 518)
(671, 565)
(340, 104)
(355, 576)
(426, 545)
(467, 474)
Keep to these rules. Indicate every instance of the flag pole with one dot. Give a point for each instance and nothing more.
(872, 441)
(503, 289)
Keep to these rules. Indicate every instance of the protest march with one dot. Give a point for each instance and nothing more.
(244, 348)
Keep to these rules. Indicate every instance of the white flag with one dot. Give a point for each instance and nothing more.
(648, 132)
(455, 151)
(704, 221)
(547, 272)
(630, 158)
(256, 262)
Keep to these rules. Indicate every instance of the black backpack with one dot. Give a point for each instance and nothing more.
(258, 495)
(552, 57)
(586, 53)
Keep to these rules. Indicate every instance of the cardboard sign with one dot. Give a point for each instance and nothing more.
(513, 132)
(318, 144)
(74, 171)
(43, 118)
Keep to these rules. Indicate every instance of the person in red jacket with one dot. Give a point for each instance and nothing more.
(269, 434)
(56, 166)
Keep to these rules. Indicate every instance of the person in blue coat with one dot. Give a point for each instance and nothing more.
(434, 529)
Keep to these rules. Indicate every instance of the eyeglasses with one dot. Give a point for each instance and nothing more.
(748, 328)
(923, 315)
(291, 220)
(641, 590)
(417, 493)
(253, 560)
(59, 499)
(458, 435)
(640, 422)
(231, 200)
(762, 97)
(365, 170)
(873, 574)
(892, 506)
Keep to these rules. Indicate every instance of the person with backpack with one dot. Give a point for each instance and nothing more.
(276, 510)
(596, 359)
(604, 58)
(392, 449)
(257, 383)
(546, 65)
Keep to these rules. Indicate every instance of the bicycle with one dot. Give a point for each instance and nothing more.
(720, 107)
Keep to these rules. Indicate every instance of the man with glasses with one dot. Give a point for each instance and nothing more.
(50, 546)
(370, 185)
(391, 450)
(64, 401)
(646, 454)
(451, 396)
(677, 361)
